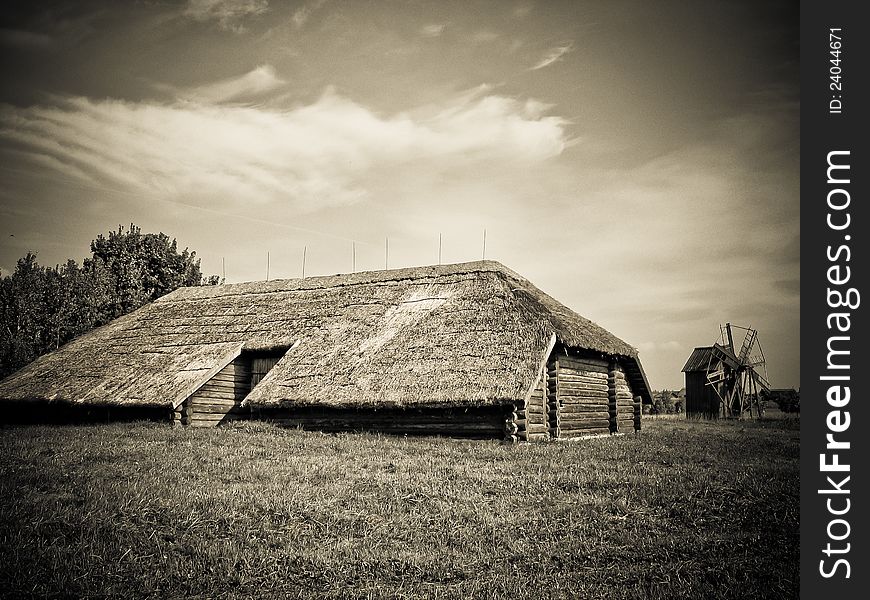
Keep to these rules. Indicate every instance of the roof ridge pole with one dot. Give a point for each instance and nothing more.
(387, 254)
(304, 252)
(484, 244)
(439, 247)
(353, 256)
(267, 265)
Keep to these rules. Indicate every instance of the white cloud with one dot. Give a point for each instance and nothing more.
(249, 86)
(553, 55)
(433, 29)
(309, 157)
(228, 13)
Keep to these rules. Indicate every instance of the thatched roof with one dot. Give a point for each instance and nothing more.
(472, 333)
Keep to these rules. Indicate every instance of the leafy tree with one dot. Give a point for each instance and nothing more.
(141, 267)
(41, 308)
(663, 402)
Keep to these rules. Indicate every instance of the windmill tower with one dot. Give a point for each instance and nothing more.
(722, 381)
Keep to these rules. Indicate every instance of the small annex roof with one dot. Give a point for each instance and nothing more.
(470, 333)
(703, 357)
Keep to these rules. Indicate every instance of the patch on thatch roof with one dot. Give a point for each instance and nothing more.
(472, 333)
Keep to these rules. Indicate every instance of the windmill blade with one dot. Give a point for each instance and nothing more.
(748, 342)
(760, 380)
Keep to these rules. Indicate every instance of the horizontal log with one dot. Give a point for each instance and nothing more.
(387, 417)
(219, 409)
(533, 428)
(216, 417)
(538, 437)
(217, 397)
(240, 373)
(582, 381)
(196, 401)
(584, 399)
(535, 408)
(584, 423)
(221, 385)
(597, 362)
(577, 433)
(422, 428)
(532, 419)
(588, 378)
(585, 416)
(243, 383)
(581, 416)
(588, 387)
(568, 372)
(568, 409)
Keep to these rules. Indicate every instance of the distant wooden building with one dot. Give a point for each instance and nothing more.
(468, 350)
(710, 373)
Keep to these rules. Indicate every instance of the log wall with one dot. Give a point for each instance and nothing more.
(531, 418)
(589, 396)
(471, 422)
(582, 399)
(621, 401)
(219, 399)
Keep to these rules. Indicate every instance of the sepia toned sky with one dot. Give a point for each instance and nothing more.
(637, 160)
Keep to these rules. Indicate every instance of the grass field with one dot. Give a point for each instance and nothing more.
(680, 510)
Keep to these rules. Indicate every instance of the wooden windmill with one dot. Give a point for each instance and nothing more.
(738, 378)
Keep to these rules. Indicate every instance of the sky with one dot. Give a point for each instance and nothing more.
(636, 160)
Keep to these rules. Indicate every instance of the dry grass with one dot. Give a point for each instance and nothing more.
(682, 510)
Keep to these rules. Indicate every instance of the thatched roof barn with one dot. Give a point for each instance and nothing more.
(460, 349)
